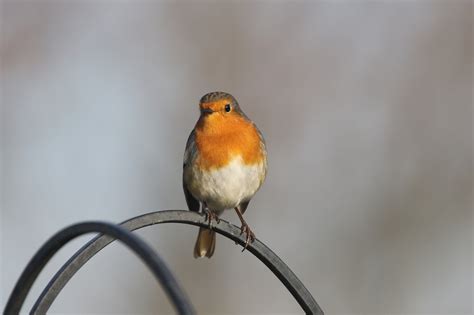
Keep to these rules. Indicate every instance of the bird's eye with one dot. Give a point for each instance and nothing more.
(227, 108)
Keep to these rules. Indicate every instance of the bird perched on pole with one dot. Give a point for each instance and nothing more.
(225, 163)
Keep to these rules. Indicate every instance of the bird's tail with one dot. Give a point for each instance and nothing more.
(205, 243)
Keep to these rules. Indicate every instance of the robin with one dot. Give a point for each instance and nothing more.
(225, 163)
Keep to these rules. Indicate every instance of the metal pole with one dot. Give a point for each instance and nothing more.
(257, 248)
(137, 245)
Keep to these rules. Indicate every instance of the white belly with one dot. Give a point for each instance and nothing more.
(227, 187)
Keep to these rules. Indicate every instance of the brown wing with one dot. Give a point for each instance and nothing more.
(189, 156)
(193, 203)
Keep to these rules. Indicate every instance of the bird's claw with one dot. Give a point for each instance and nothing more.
(250, 236)
(210, 216)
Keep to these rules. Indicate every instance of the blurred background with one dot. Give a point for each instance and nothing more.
(366, 108)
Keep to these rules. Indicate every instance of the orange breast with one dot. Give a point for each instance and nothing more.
(222, 137)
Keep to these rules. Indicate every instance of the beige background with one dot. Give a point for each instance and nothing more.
(366, 107)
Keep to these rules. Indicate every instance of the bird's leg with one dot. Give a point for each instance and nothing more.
(250, 236)
(210, 215)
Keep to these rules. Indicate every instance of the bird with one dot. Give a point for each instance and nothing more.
(224, 165)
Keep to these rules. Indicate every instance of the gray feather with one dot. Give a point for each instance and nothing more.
(189, 156)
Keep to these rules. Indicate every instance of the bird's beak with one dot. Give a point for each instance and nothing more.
(206, 111)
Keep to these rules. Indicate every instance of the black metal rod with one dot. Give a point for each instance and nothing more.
(257, 248)
(137, 245)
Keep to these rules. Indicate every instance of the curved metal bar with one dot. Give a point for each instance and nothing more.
(257, 248)
(137, 245)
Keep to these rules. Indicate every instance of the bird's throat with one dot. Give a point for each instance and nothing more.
(222, 138)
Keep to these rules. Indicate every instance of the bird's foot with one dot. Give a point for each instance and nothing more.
(250, 236)
(211, 216)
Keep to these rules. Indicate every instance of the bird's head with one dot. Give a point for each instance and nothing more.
(220, 103)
